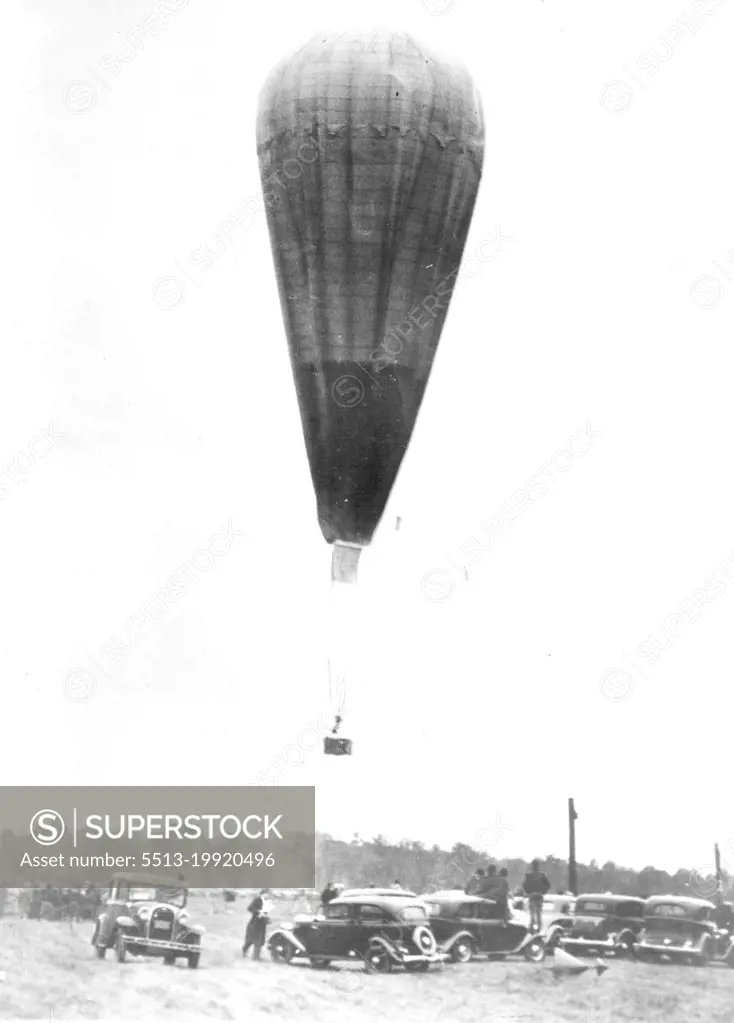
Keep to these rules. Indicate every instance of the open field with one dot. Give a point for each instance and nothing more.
(48, 971)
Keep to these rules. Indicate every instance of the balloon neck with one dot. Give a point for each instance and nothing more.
(344, 562)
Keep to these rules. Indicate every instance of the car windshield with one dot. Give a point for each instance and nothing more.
(670, 910)
(174, 896)
(413, 914)
(434, 908)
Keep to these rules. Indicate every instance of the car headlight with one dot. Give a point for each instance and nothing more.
(183, 916)
(144, 913)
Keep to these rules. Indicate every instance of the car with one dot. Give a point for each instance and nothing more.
(395, 893)
(600, 925)
(145, 914)
(557, 908)
(383, 931)
(681, 929)
(465, 925)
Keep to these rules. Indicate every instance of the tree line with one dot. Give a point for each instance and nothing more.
(419, 868)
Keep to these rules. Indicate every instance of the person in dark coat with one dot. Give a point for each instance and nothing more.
(330, 892)
(475, 881)
(502, 892)
(259, 910)
(488, 885)
(535, 886)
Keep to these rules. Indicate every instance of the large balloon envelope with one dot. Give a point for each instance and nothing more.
(371, 154)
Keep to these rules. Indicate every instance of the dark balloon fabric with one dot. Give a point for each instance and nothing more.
(370, 154)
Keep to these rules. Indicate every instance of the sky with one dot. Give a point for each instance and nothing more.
(147, 414)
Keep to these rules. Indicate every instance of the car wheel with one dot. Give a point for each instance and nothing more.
(535, 951)
(281, 951)
(462, 951)
(378, 959)
(100, 951)
(169, 960)
(193, 960)
(120, 948)
(625, 948)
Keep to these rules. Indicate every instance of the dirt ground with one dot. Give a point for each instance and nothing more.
(48, 971)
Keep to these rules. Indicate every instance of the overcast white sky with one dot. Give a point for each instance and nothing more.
(174, 422)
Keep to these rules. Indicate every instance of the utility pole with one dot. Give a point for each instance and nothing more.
(572, 878)
(717, 861)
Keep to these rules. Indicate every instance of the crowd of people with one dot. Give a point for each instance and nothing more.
(494, 884)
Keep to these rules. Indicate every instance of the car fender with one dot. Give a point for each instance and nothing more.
(528, 940)
(624, 937)
(125, 921)
(553, 930)
(447, 945)
(195, 929)
(290, 937)
(379, 942)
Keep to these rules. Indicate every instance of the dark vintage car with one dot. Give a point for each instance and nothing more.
(680, 929)
(466, 925)
(599, 925)
(145, 914)
(383, 931)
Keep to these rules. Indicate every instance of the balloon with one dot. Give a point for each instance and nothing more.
(370, 154)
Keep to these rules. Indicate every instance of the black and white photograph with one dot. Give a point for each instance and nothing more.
(367, 511)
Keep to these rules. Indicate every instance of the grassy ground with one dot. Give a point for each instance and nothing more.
(48, 971)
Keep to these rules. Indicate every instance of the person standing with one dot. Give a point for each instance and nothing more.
(330, 892)
(535, 886)
(488, 885)
(474, 882)
(259, 910)
(502, 893)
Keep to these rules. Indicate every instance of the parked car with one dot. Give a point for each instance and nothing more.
(599, 925)
(557, 908)
(465, 925)
(680, 929)
(145, 914)
(383, 931)
(394, 893)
